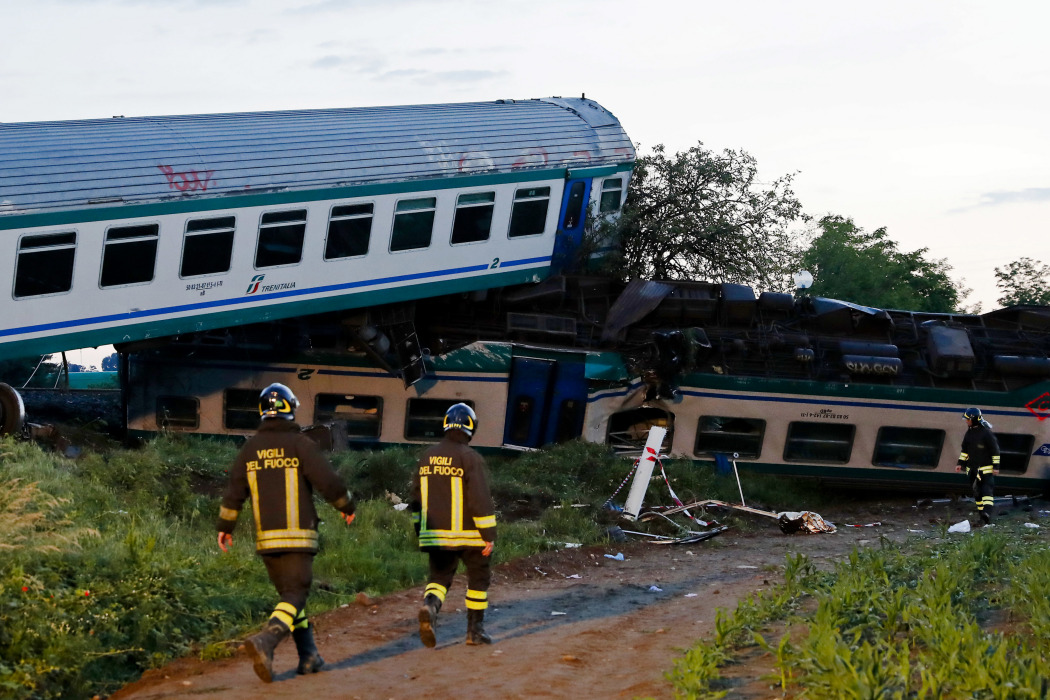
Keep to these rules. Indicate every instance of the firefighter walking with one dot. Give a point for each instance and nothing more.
(452, 512)
(279, 468)
(980, 458)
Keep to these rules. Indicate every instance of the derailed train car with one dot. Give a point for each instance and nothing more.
(809, 386)
(117, 231)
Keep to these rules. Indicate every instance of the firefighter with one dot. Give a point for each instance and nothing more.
(980, 456)
(453, 515)
(279, 468)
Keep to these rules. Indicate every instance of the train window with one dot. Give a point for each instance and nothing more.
(281, 236)
(473, 217)
(349, 229)
(726, 435)
(521, 423)
(612, 191)
(1015, 449)
(574, 207)
(130, 255)
(240, 409)
(908, 447)
(179, 412)
(45, 264)
(819, 442)
(362, 416)
(413, 224)
(528, 216)
(207, 246)
(425, 418)
(570, 420)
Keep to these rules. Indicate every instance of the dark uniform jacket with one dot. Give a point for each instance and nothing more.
(450, 503)
(279, 468)
(980, 451)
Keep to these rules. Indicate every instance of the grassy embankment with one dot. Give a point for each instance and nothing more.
(943, 617)
(108, 564)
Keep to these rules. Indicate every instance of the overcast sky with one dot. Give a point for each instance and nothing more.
(929, 118)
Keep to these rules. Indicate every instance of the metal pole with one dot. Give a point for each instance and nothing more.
(738, 486)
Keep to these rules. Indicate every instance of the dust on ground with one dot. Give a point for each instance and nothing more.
(571, 623)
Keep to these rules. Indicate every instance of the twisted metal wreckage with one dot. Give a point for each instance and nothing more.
(642, 471)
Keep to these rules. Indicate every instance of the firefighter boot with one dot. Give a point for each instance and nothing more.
(309, 660)
(476, 628)
(260, 647)
(428, 619)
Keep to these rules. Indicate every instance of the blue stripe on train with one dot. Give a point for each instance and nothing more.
(253, 300)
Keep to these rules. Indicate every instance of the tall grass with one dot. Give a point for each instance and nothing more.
(915, 622)
(109, 564)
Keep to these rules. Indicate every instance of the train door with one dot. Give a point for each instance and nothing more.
(546, 401)
(571, 222)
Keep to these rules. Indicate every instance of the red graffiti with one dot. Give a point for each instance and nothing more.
(582, 154)
(187, 181)
(1040, 406)
(533, 157)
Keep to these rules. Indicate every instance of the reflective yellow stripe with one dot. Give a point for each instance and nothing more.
(995, 459)
(284, 617)
(963, 456)
(286, 607)
(447, 538)
(253, 485)
(476, 600)
(485, 521)
(457, 503)
(436, 589)
(228, 513)
(424, 491)
(986, 470)
(291, 497)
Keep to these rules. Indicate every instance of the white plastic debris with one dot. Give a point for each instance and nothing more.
(618, 556)
(400, 506)
(690, 595)
(573, 545)
(555, 612)
(655, 589)
(1031, 525)
(964, 526)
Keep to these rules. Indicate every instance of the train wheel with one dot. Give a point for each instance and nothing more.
(12, 411)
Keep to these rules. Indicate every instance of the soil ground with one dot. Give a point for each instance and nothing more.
(572, 623)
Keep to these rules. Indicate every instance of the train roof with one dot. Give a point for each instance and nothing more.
(60, 165)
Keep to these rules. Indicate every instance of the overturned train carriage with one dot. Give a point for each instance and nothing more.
(809, 386)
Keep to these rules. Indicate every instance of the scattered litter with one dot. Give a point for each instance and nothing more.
(745, 566)
(875, 524)
(964, 526)
(574, 576)
(803, 521)
(655, 589)
(916, 532)
(618, 556)
(555, 612)
(1032, 525)
(400, 506)
(572, 545)
(691, 595)
(540, 570)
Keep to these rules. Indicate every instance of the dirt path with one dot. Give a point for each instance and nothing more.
(566, 624)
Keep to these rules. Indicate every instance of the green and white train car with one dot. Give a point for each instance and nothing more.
(808, 387)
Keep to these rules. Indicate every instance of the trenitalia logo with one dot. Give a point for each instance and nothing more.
(253, 286)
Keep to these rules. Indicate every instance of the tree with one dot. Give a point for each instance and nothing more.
(852, 265)
(1024, 281)
(704, 216)
(110, 363)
